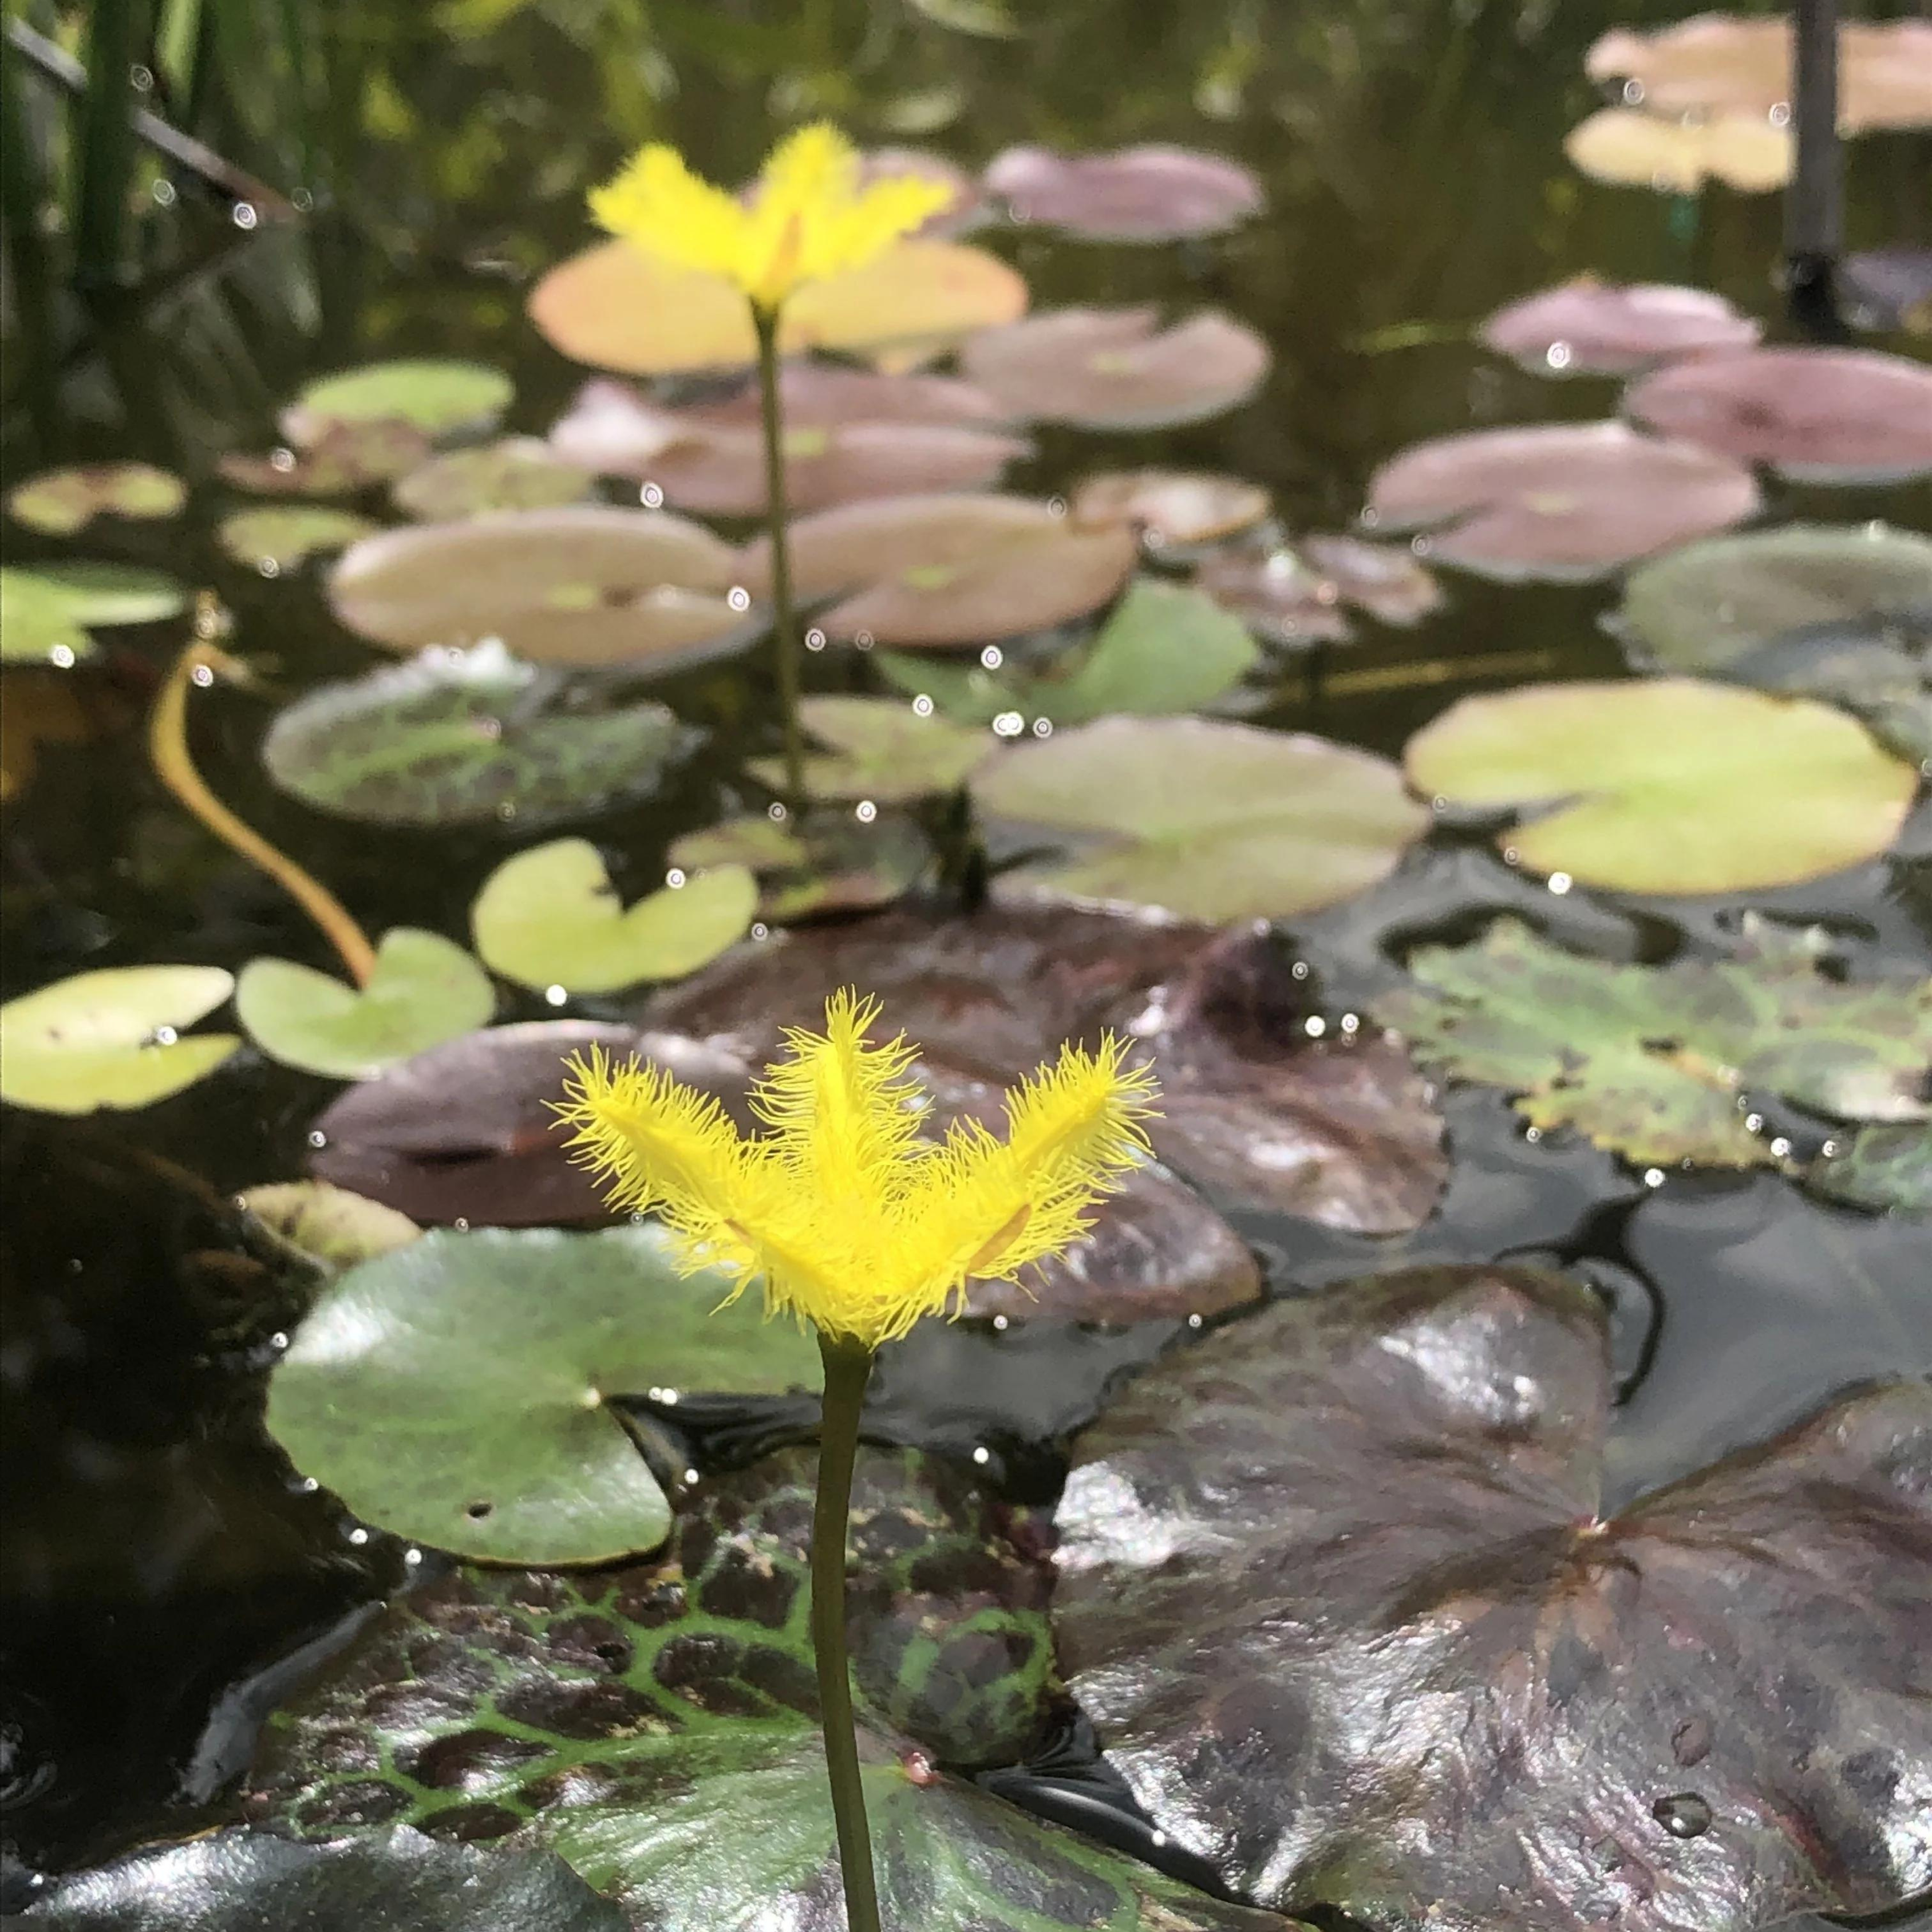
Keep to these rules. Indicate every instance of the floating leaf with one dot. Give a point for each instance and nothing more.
(282, 537)
(112, 1038)
(1884, 1167)
(549, 917)
(61, 501)
(881, 750)
(1627, 148)
(438, 398)
(1202, 819)
(1277, 595)
(490, 1354)
(1173, 509)
(1659, 786)
(1589, 327)
(1385, 580)
(457, 737)
(1336, 1592)
(425, 989)
(1117, 368)
(830, 862)
(46, 612)
(326, 1226)
(347, 457)
(1817, 416)
(520, 473)
(585, 585)
(1149, 193)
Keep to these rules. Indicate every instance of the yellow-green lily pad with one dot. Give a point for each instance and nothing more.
(61, 501)
(882, 750)
(279, 536)
(46, 612)
(520, 473)
(325, 1224)
(436, 396)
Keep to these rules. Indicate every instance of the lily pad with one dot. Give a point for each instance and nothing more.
(1202, 819)
(585, 585)
(459, 737)
(1173, 510)
(1659, 1064)
(61, 501)
(549, 917)
(520, 473)
(1661, 786)
(1279, 595)
(1153, 193)
(46, 612)
(615, 306)
(1117, 368)
(1560, 502)
(1335, 1590)
(1626, 148)
(327, 1226)
(831, 862)
(453, 1391)
(1385, 580)
(1817, 416)
(881, 750)
(425, 989)
(439, 397)
(1589, 327)
(1883, 1167)
(345, 458)
(284, 536)
(112, 1038)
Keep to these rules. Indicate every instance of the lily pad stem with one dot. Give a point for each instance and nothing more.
(784, 616)
(848, 1367)
(167, 745)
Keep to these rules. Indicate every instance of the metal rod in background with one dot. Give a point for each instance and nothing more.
(1814, 203)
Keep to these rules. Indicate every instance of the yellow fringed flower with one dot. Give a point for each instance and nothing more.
(808, 218)
(853, 1220)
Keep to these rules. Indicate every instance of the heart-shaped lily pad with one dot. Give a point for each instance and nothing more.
(1628, 148)
(888, 752)
(61, 501)
(453, 1391)
(1336, 1591)
(456, 737)
(1153, 193)
(1659, 786)
(46, 612)
(1175, 510)
(425, 989)
(345, 457)
(1817, 416)
(112, 1038)
(436, 397)
(549, 917)
(1117, 368)
(1589, 327)
(584, 585)
(282, 536)
(1202, 819)
(327, 1226)
(1561, 502)
(520, 473)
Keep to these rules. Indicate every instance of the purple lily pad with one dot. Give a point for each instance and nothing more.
(1385, 580)
(1278, 595)
(1153, 193)
(1589, 327)
(1173, 509)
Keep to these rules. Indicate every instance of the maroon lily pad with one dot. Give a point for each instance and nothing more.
(1153, 192)
(345, 457)
(1817, 416)
(1117, 368)
(1173, 509)
(1385, 580)
(1335, 1590)
(1561, 502)
(1589, 327)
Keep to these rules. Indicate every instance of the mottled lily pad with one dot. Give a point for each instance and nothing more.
(1659, 786)
(1202, 819)
(1659, 1064)
(519, 472)
(1589, 327)
(282, 536)
(453, 1391)
(1279, 595)
(1117, 368)
(61, 501)
(1385, 580)
(438, 398)
(584, 585)
(1335, 1590)
(46, 612)
(112, 1038)
(1626, 147)
(881, 750)
(549, 917)
(1883, 1167)
(1148, 194)
(327, 1226)
(1561, 502)
(1817, 416)
(457, 737)
(345, 457)
(1173, 510)
(830, 863)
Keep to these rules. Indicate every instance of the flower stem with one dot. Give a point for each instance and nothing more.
(784, 616)
(848, 1366)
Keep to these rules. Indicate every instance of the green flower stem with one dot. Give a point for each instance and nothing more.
(785, 617)
(848, 1366)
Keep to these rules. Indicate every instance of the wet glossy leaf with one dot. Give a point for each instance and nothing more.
(327, 1226)
(1586, 327)
(284, 536)
(61, 501)
(1173, 510)
(113, 1038)
(881, 749)
(1661, 786)
(434, 396)
(1153, 193)
(345, 457)
(1626, 147)
(461, 737)
(520, 473)
(425, 989)
(46, 612)
(1202, 819)
(1887, 1167)
(549, 917)
(453, 1391)
(1334, 1589)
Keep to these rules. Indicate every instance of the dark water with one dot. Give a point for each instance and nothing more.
(158, 1551)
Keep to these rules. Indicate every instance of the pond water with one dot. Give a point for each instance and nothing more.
(160, 1555)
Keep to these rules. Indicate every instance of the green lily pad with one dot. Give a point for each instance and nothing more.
(280, 536)
(424, 990)
(112, 1038)
(46, 613)
(61, 501)
(548, 917)
(1165, 649)
(1661, 1064)
(888, 752)
(518, 473)
(1202, 819)
(326, 1225)
(435, 396)
(453, 1391)
(1668, 785)
(833, 862)
(756, 839)
(1885, 1167)
(454, 737)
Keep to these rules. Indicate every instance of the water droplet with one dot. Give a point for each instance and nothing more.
(674, 878)
(1056, 506)
(1683, 1814)
(278, 1341)
(992, 657)
(163, 1036)
(302, 201)
(1558, 355)
(1560, 882)
(1653, 1177)
(862, 639)
(507, 810)
(669, 1398)
(1351, 1022)
(1009, 725)
(1532, 1134)
(1042, 728)
(1420, 546)
(1000, 1323)
(1194, 1321)
(1754, 1123)
(1511, 856)
(922, 706)
(738, 598)
(1779, 115)
(269, 566)
(556, 995)
(141, 79)
(1633, 93)
(760, 930)
(1781, 1147)
(164, 192)
(412, 1556)
(1370, 518)
(461, 1224)
(61, 658)
(983, 1455)
(308, 1486)
(317, 1138)
(1829, 1150)
(651, 497)
(776, 814)
(243, 215)
(282, 461)
(1315, 1026)
(359, 1536)
(1300, 969)
(814, 639)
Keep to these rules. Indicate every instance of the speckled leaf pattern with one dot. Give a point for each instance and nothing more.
(1335, 1593)
(1881, 1167)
